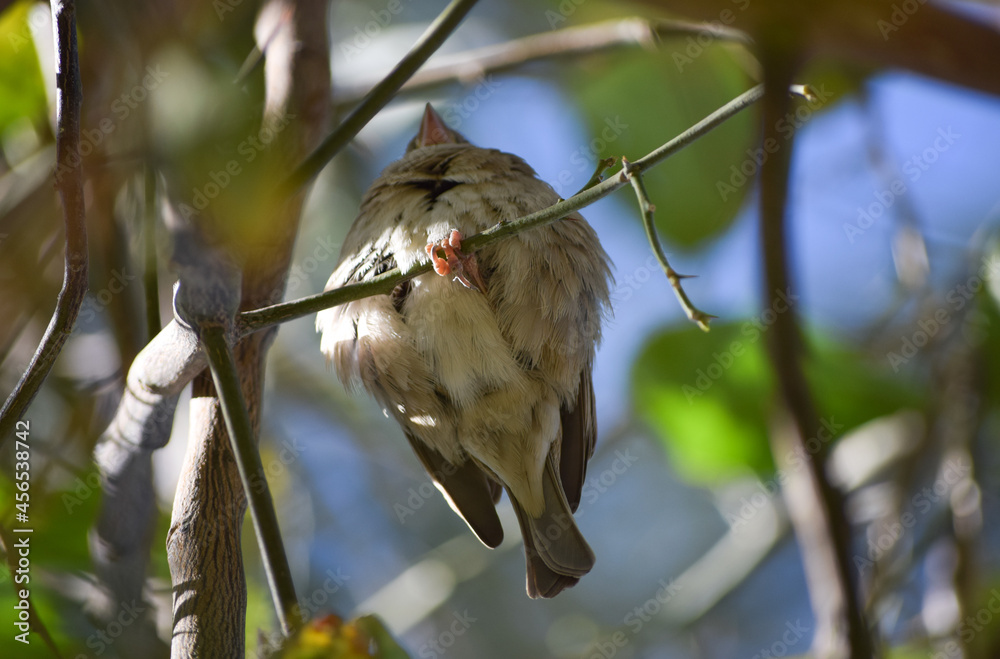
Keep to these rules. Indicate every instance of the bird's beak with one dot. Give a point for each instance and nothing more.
(433, 130)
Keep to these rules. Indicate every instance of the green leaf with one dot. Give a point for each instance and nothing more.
(707, 397)
(672, 95)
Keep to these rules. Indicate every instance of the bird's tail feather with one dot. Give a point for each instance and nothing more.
(557, 554)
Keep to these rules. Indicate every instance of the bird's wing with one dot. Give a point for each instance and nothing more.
(468, 490)
(579, 436)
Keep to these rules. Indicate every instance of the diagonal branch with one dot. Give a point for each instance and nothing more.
(564, 43)
(378, 97)
(252, 321)
(241, 438)
(69, 183)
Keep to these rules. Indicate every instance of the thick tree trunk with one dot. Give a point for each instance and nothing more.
(203, 546)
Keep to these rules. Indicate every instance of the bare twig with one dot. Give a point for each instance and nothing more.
(647, 209)
(564, 43)
(252, 321)
(428, 43)
(69, 182)
(815, 507)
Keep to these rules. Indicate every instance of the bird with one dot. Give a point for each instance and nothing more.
(485, 362)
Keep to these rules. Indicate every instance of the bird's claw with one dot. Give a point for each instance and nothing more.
(463, 266)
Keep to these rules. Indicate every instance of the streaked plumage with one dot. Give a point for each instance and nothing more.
(491, 387)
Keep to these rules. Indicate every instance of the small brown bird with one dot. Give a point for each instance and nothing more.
(487, 368)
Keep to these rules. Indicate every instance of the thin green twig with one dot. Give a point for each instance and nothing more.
(380, 95)
(240, 431)
(647, 209)
(598, 175)
(252, 321)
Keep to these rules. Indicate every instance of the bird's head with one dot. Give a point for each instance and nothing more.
(433, 131)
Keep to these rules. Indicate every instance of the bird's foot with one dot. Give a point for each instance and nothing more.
(464, 267)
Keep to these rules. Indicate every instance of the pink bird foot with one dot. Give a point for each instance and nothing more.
(463, 266)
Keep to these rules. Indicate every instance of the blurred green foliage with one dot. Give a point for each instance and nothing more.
(710, 397)
(21, 86)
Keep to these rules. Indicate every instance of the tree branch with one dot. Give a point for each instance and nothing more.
(252, 321)
(69, 183)
(428, 43)
(815, 507)
(120, 540)
(564, 43)
(203, 545)
(244, 447)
